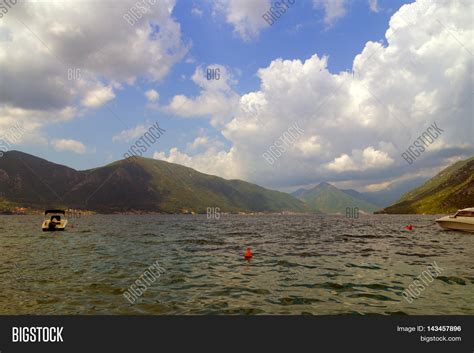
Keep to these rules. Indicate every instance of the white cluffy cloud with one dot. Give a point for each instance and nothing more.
(198, 142)
(369, 158)
(211, 161)
(74, 146)
(333, 9)
(244, 15)
(95, 98)
(61, 58)
(374, 5)
(217, 99)
(152, 95)
(356, 124)
(131, 134)
(197, 12)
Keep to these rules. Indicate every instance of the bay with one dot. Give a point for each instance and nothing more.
(302, 264)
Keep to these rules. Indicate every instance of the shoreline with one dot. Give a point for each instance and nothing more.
(81, 213)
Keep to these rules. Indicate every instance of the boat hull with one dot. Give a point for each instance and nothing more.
(57, 228)
(464, 225)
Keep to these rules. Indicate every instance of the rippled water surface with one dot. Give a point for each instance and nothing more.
(305, 264)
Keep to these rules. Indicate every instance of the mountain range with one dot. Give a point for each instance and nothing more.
(135, 184)
(149, 185)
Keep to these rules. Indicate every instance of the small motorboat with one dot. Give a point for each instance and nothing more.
(54, 220)
(462, 220)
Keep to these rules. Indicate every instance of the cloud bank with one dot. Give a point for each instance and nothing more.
(59, 59)
(356, 124)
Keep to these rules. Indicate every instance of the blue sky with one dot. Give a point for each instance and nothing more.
(233, 36)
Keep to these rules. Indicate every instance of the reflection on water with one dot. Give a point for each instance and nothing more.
(305, 264)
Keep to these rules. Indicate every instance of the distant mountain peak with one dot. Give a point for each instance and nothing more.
(327, 198)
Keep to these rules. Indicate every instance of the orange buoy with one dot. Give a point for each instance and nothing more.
(409, 227)
(248, 254)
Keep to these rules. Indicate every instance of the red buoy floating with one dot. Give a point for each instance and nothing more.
(248, 254)
(409, 227)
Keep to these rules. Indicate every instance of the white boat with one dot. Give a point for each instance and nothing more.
(54, 220)
(462, 220)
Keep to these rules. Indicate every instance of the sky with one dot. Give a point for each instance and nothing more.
(361, 79)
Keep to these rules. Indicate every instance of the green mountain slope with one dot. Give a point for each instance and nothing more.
(139, 184)
(448, 191)
(329, 199)
(32, 181)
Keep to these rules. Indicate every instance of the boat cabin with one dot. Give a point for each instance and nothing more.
(54, 220)
(467, 212)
